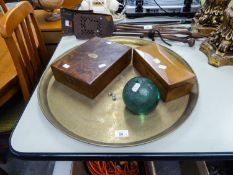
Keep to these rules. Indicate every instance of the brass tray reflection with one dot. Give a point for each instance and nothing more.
(101, 120)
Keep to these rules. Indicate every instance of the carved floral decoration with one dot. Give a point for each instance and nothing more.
(210, 15)
(219, 45)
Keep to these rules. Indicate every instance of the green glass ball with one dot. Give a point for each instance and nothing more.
(140, 95)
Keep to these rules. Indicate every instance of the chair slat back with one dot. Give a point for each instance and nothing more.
(3, 6)
(25, 43)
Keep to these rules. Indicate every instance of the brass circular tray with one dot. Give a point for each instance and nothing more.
(105, 122)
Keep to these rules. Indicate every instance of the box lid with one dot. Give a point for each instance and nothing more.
(90, 60)
(171, 72)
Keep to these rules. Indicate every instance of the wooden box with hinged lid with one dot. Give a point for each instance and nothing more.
(90, 67)
(173, 78)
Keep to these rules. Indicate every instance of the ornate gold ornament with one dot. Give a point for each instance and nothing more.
(209, 16)
(219, 46)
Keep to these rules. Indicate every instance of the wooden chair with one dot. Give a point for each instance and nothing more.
(9, 86)
(8, 77)
(23, 38)
(3, 6)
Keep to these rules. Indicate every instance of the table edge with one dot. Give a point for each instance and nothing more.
(121, 156)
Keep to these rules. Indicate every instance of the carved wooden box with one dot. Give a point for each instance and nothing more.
(171, 76)
(90, 67)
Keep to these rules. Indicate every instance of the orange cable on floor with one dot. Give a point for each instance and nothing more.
(113, 167)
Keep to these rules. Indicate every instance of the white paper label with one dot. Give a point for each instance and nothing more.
(162, 66)
(66, 66)
(121, 133)
(135, 87)
(156, 60)
(148, 27)
(67, 23)
(102, 65)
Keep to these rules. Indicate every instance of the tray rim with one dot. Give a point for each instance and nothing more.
(193, 97)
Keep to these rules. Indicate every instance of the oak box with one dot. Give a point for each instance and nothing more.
(90, 67)
(172, 77)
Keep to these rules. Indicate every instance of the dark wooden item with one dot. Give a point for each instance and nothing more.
(90, 67)
(210, 16)
(219, 46)
(164, 31)
(85, 24)
(171, 76)
(67, 19)
(79, 168)
(88, 25)
(67, 16)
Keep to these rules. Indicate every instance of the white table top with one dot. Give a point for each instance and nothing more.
(206, 132)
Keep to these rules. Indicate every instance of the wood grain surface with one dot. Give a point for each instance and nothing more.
(45, 25)
(71, 4)
(171, 76)
(8, 76)
(92, 66)
(23, 38)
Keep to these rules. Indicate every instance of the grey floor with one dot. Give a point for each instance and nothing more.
(21, 167)
(167, 168)
(16, 166)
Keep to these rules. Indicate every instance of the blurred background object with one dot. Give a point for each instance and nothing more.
(71, 4)
(50, 6)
